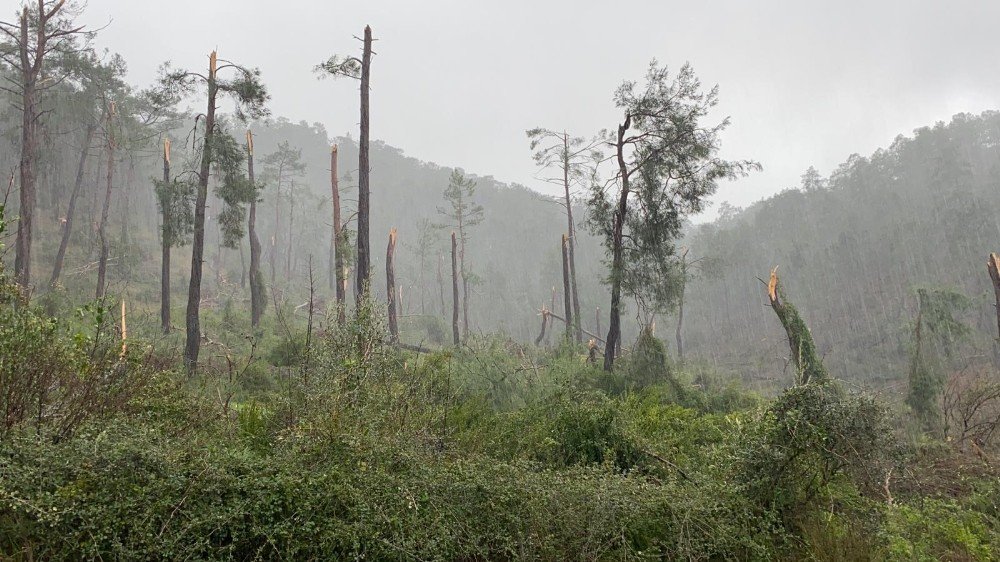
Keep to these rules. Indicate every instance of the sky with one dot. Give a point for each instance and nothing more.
(806, 83)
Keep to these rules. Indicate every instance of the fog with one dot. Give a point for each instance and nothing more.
(457, 83)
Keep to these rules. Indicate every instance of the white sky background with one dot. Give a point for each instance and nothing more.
(458, 82)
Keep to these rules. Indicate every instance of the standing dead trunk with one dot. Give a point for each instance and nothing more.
(88, 137)
(166, 243)
(291, 225)
(617, 255)
(572, 240)
(257, 300)
(192, 345)
(545, 320)
(994, 269)
(102, 228)
(338, 244)
(567, 300)
(803, 351)
(454, 289)
(364, 255)
(390, 286)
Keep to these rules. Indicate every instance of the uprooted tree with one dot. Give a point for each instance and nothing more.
(808, 365)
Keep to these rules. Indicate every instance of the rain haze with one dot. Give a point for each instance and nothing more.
(458, 83)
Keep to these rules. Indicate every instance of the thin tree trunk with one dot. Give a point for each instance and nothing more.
(440, 277)
(243, 267)
(572, 241)
(291, 225)
(390, 286)
(598, 315)
(567, 300)
(364, 255)
(454, 289)
(126, 200)
(617, 257)
(680, 307)
(192, 344)
(29, 156)
(277, 228)
(102, 228)
(257, 300)
(166, 243)
(71, 209)
(338, 242)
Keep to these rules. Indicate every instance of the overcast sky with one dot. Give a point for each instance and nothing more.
(458, 82)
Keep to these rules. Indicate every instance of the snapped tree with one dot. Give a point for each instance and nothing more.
(250, 96)
(461, 214)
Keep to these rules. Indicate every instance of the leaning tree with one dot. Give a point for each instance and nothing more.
(245, 88)
(666, 165)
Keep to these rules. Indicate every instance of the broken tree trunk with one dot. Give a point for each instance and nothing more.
(545, 320)
(994, 268)
(454, 289)
(390, 288)
(803, 350)
(553, 316)
(567, 292)
(572, 240)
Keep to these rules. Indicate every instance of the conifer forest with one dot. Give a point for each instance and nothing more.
(688, 283)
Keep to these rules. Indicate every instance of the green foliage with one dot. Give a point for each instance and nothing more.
(235, 189)
(810, 439)
(176, 202)
(809, 365)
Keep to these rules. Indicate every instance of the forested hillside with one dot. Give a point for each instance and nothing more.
(854, 247)
(228, 336)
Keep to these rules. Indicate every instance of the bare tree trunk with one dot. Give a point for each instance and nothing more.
(545, 320)
(680, 307)
(338, 243)
(277, 228)
(309, 323)
(257, 300)
(441, 284)
(364, 254)
(572, 241)
(291, 224)
(192, 344)
(617, 257)
(126, 215)
(567, 300)
(29, 156)
(454, 289)
(390, 286)
(71, 209)
(166, 243)
(102, 229)
(994, 269)
(598, 315)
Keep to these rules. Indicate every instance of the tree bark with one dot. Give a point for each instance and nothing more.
(338, 243)
(454, 289)
(291, 225)
(102, 228)
(29, 151)
(617, 256)
(441, 284)
(364, 256)
(88, 137)
(567, 291)
(390, 286)
(166, 244)
(680, 308)
(192, 344)
(257, 300)
(572, 241)
(994, 269)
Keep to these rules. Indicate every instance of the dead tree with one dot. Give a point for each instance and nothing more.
(67, 225)
(102, 263)
(994, 268)
(545, 321)
(454, 289)
(567, 290)
(338, 244)
(808, 365)
(257, 300)
(390, 289)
